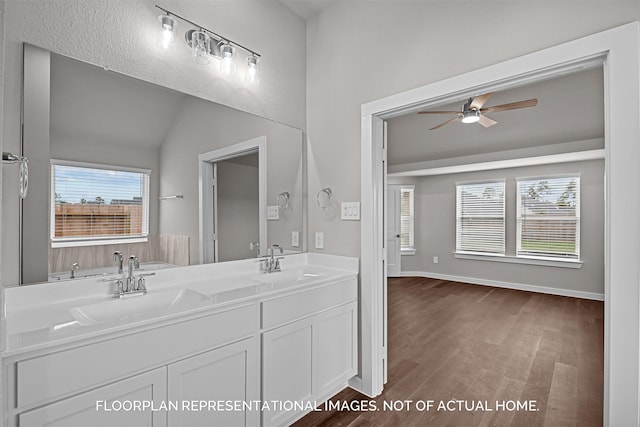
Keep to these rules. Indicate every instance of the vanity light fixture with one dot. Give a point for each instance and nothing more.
(167, 33)
(205, 44)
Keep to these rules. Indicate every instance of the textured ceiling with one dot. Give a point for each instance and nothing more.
(570, 108)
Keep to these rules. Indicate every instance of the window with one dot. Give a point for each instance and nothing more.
(480, 217)
(406, 219)
(98, 204)
(548, 217)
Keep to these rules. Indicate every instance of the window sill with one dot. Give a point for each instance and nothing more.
(407, 251)
(548, 262)
(101, 242)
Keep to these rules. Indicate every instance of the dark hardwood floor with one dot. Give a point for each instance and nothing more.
(483, 345)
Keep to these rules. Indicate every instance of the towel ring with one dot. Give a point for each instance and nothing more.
(324, 198)
(283, 200)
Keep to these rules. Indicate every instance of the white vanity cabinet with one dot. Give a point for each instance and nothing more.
(309, 350)
(207, 358)
(83, 410)
(228, 374)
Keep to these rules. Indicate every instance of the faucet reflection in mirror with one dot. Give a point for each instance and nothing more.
(205, 44)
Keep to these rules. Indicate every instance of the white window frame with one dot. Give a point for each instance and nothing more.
(459, 187)
(411, 248)
(520, 253)
(96, 241)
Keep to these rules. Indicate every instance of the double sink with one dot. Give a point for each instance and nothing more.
(185, 298)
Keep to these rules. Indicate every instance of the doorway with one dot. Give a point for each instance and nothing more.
(232, 181)
(618, 49)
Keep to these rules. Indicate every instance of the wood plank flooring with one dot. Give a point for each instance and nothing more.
(450, 340)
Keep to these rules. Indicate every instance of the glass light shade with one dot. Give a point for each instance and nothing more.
(167, 32)
(200, 47)
(252, 69)
(470, 116)
(226, 53)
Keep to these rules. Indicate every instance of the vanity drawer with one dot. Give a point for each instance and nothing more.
(58, 374)
(305, 303)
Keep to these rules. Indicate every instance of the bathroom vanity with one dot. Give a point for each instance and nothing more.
(218, 344)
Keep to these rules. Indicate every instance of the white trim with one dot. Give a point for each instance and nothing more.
(204, 196)
(411, 251)
(618, 50)
(580, 156)
(87, 165)
(96, 242)
(508, 285)
(549, 262)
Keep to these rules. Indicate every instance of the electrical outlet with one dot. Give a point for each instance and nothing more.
(295, 239)
(435, 259)
(319, 240)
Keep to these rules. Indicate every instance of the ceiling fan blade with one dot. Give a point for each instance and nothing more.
(445, 123)
(486, 121)
(480, 100)
(439, 112)
(512, 106)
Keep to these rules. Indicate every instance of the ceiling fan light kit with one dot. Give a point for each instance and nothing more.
(474, 112)
(470, 116)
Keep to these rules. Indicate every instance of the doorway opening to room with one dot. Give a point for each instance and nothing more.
(232, 184)
(620, 339)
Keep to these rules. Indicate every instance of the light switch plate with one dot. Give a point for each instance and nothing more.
(350, 211)
(319, 240)
(273, 213)
(295, 239)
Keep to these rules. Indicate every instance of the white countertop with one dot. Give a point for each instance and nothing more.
(45, 315)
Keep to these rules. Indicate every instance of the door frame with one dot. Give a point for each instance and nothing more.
(206, 193)
(618, 50)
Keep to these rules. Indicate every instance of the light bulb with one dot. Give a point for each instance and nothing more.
(226, 52)
(252, 69)
(167, 32)
(200, 47)
(470, 116)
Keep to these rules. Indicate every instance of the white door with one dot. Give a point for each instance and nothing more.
(393, 231)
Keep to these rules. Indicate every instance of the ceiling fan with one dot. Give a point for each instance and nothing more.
(474, 112)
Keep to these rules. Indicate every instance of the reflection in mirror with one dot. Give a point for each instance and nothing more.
(116, 124)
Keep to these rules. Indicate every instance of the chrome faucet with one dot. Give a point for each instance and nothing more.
(272, 264)
(119, 259)
(74, 267)
(131, 280)
(133, 286)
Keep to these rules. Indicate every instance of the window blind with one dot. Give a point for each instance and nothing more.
(406, 218)
(480, 217)
(548, 216)
(98, 202)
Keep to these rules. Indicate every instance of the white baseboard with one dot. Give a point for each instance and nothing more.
(508, 285)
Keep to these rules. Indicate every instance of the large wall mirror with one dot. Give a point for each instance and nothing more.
(119, 164)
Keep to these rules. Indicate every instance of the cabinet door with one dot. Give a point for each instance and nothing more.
(287, 369)
(107, 406)
(228, 374)
(335, 349)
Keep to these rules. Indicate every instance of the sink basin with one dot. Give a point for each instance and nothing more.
(173, 301)
(288, 278)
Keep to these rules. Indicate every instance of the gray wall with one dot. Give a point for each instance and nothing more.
(267, 27)
(429, 41)
(238, 210)
(435, 230)
(202, 126)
